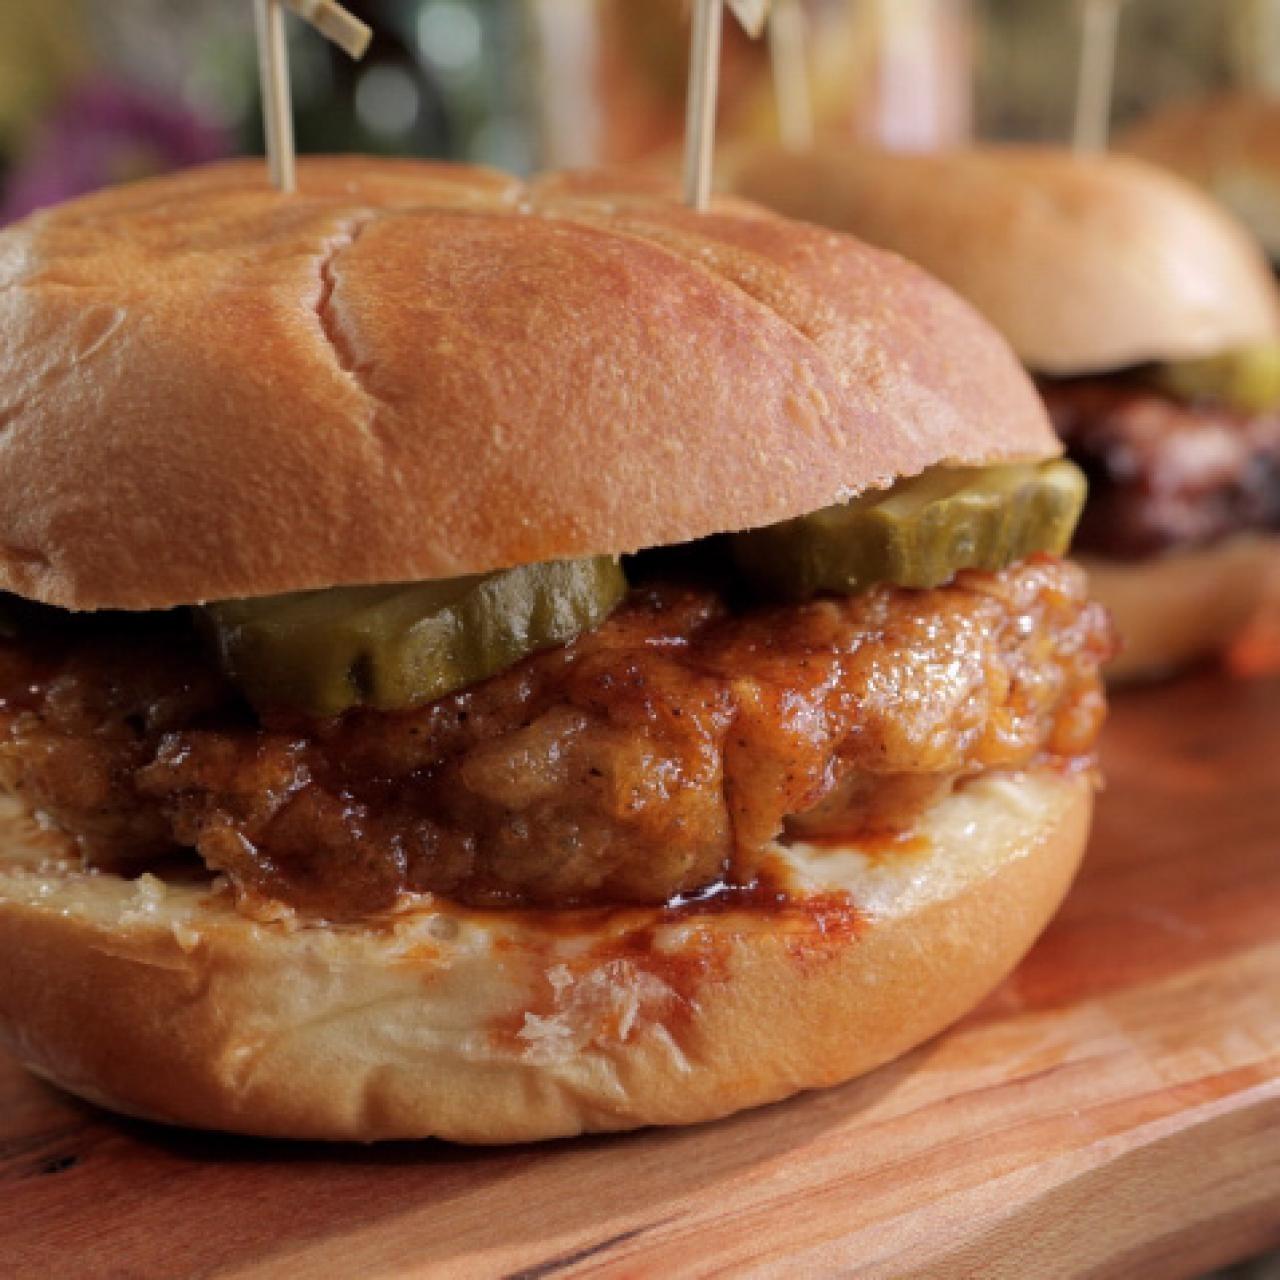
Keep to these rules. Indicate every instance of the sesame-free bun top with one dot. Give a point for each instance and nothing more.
(1084, 262)
(1229, 144)
(411, 371)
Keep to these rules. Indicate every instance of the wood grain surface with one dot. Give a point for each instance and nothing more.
(1112, 1110)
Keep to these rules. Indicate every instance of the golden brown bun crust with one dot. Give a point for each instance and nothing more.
(414, 371)
(1083, 262)
(1172, 610)
(1230, 145)
(165, 1004)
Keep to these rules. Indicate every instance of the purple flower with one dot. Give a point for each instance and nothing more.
(102, 133)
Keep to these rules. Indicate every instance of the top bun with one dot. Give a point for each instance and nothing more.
(1230, 145)
(411, 371)
(1085, 263)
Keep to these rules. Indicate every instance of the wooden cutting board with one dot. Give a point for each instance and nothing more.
(1112, 1110)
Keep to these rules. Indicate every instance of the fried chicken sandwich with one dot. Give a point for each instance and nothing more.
(498, 660)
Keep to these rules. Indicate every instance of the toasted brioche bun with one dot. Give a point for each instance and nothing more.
(1230, 145)
(160, 1000)
(1085, 263)
(412, 371)
(1174, 609)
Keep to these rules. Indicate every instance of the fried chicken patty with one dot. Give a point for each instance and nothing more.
(1164, 475)
(657, 755)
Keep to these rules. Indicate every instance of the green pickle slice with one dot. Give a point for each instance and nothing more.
(398, 646)
(1246, 379)
(919, 533)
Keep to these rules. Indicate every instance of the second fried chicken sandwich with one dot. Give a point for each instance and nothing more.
(1149, 318)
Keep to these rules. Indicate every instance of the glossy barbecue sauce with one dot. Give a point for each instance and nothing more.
(664, 958)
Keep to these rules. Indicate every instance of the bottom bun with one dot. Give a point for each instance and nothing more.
(1172, 610)
(158, 999)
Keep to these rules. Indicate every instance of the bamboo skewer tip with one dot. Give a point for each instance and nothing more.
(704, 77)
(336, 25)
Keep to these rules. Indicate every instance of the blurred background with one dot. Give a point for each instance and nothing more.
(94, 93)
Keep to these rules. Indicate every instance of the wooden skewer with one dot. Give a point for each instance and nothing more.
(345, 30)
(704, 86)
(333, 22)
(789, 58)
(1100, 20)
(277, 110)
(700, 110)
(752, 14)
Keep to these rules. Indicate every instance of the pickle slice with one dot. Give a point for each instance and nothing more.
(1246, 379)
(402, 645)
(919, 533)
